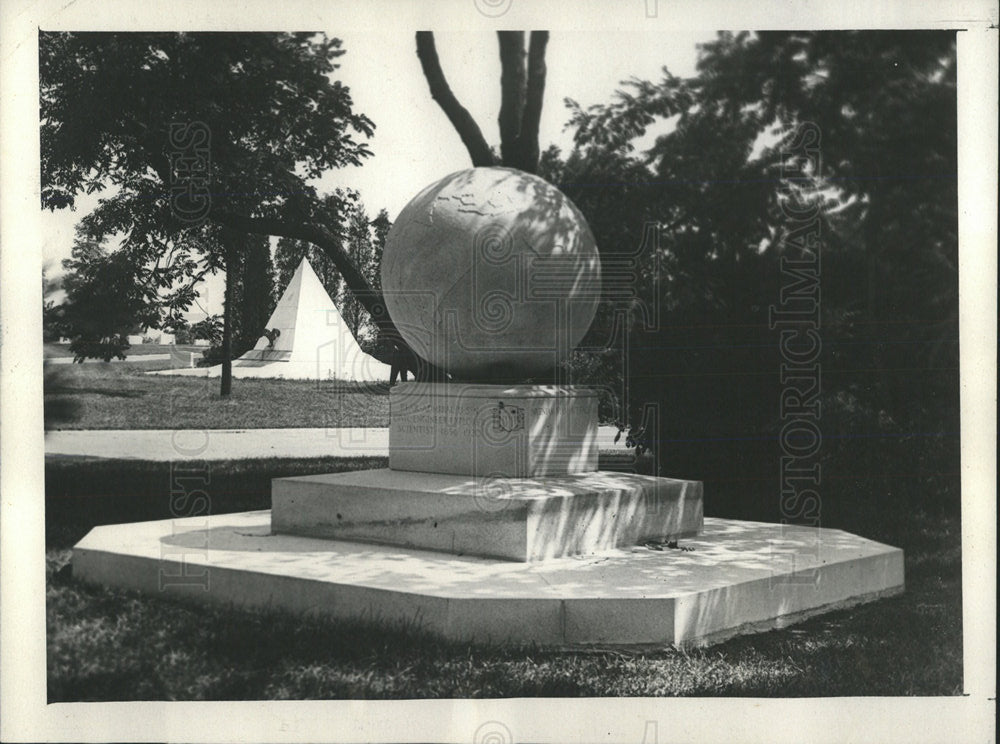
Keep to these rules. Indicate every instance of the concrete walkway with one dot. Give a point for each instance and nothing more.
(133, 359)
(230, 444)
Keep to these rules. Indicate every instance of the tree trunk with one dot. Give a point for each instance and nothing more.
(227, 316)
(522, 89)
(513, 84)
(527, 150)
(460, 118)
(256, 290)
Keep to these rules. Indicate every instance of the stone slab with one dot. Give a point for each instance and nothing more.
(508, 431)
(740, 577)
(524, 519)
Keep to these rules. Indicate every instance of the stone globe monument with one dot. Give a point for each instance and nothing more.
(491, 274)
(493, 522)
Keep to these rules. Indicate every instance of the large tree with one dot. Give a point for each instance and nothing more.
(241, 122)
(725, 191)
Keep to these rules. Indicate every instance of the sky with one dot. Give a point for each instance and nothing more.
(414, 144)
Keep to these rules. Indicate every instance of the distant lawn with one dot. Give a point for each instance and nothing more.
(121, 396)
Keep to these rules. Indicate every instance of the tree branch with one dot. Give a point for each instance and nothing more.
(460, 118)
(535, 90)
(195, 278)
(324, 239)
(320, 236)
(512, 94)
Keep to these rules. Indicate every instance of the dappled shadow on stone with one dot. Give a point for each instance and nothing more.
(728, 554)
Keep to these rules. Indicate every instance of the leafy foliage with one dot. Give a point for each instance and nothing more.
(365, 243)
(275, 118)
(209, 329)
(105, 301)
(720, 189)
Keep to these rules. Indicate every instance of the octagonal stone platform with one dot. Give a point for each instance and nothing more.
(737, 577)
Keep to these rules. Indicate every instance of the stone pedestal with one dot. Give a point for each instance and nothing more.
(492, 523)
(528, 519)
(495, 471)
(515, 538)
(496, 431)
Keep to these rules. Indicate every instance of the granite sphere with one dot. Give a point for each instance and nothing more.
(491, 273)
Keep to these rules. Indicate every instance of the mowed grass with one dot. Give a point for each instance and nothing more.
(121, 396)
(106, 644)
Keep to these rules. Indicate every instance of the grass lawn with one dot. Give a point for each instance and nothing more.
(121, 396)
(107, 644)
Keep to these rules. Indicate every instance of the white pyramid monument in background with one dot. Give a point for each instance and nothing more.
(314, 342)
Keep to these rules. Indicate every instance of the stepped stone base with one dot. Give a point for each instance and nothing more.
(740, 577)
(517, 519)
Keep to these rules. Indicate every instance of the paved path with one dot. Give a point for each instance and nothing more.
(129, 359)
(227, 444)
